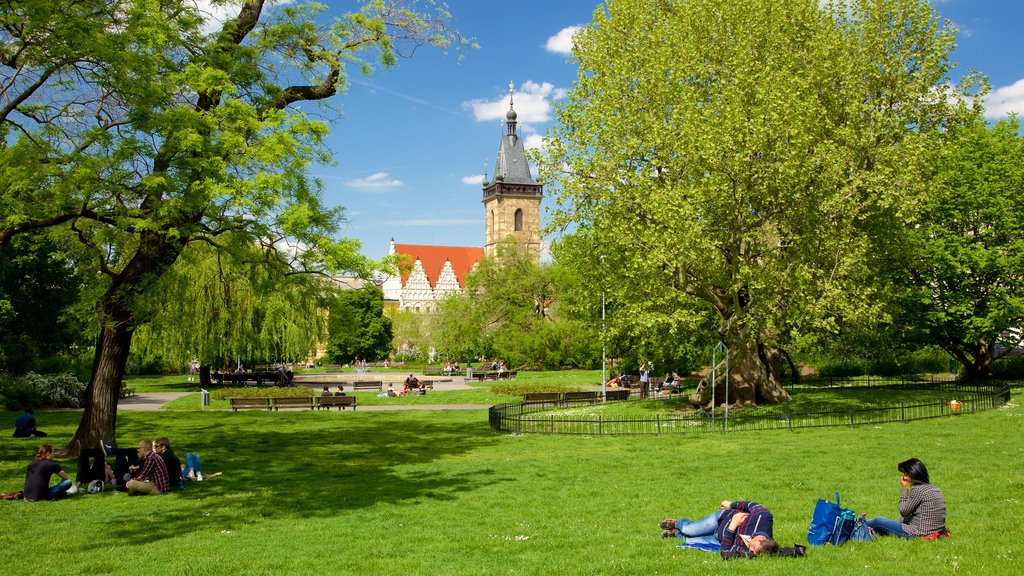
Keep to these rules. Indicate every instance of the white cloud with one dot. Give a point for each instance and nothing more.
(377, 182)
(1004, 100)
(535, 141)
(214, 16)
(532, 104)
(477, 180)
(561, 43)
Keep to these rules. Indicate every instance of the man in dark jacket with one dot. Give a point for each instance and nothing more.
(743, 527)
(162, 446)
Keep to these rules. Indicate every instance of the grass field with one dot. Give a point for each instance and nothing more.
(437, 492)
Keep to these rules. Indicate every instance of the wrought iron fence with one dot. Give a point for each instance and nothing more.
(536, 417)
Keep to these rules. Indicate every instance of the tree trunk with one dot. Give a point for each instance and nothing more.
(753, 375)
(155, 255)
(975, 357)
(99, 420)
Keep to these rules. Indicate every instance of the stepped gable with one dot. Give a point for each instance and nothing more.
(432, 260)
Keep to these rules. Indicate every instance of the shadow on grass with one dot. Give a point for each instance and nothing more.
(306, 465)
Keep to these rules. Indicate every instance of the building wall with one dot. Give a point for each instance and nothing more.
(500, 213)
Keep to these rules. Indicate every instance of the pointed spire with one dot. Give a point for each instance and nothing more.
(510, 116)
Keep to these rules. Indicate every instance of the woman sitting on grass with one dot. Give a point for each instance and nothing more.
(37, 478)
(922, 506)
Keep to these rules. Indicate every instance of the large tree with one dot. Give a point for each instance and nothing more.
(746, 154)
(358, 327)
(964, 256)
(127, 128)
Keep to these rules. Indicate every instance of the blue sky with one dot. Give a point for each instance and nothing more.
(413, 141)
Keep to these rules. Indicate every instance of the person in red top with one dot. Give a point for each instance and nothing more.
(151, 476)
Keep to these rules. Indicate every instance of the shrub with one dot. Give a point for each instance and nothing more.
(56, 390)
(16, 394)
(518, 388)
(268, 392)
(1009, 368)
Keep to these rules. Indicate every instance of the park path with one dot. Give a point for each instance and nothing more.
(156, 400)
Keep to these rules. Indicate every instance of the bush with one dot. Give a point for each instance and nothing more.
(1009, 368)
(269, 392)
(56, 390)
(16, 394)
(518, 389)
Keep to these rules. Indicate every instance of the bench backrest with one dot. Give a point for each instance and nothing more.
(569, 396)
(293, 401)
(336, 400)
(255, 402)
(541, 397)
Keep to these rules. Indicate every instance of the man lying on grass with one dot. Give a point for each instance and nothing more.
(739, 528)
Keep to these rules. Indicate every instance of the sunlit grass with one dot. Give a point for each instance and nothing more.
(437, 492)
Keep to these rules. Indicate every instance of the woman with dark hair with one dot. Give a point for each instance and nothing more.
(37, 478)
(922, 506)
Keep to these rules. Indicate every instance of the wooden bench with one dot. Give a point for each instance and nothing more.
(246, 403)
(617, 394)
(367, 385)
(127, 392)
(325, 402)
(590, 397)
(293, 402)
(541, 397)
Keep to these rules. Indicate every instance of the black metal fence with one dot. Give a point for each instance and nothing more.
(536, 417)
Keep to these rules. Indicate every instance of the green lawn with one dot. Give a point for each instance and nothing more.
(437, 492)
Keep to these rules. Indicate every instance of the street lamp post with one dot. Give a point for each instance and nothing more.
(604, 344)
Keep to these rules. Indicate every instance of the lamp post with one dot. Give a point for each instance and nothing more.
(604, 345)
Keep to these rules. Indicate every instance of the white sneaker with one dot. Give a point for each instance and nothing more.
(73, 489)
(199, 477)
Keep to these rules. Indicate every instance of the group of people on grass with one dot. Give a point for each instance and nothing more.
(745, 528)
(149, 468)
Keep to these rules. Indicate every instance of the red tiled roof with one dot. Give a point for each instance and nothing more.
(432, 258)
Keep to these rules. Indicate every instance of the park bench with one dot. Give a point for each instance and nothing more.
(590, 397)
(541, 397)
(293, 402)
(618, 394)
(127, 392)
(325, 402)
(247, 403)
(367, 385)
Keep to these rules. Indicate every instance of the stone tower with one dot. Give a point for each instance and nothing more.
(512, 198)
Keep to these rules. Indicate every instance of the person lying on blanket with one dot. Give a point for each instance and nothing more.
(743, 527)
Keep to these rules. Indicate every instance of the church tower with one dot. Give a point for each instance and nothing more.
(512, 198)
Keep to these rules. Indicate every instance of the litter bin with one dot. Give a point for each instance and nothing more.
(469, 372)
(204, 397)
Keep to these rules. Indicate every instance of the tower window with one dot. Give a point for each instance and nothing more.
(519, 220)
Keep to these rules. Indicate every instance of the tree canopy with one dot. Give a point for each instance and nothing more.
(744, 155)
(964, 256)
(128, 130)
(358, 328)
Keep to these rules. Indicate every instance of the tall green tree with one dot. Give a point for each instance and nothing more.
(126, 128)
(965, 252)
(358, 327)
(746, 154)
(39, 287)
(219, 306)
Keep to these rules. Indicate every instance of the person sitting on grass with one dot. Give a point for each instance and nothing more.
(151, 476)
(922, 505)
(162, 446)
(741, 528)
(25, 426)
(37, 477)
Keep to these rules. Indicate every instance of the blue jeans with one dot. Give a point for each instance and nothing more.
(888, 527)
(191, 465)
(703, 531)
(59, 490)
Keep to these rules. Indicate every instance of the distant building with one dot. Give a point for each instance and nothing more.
(511, 208)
